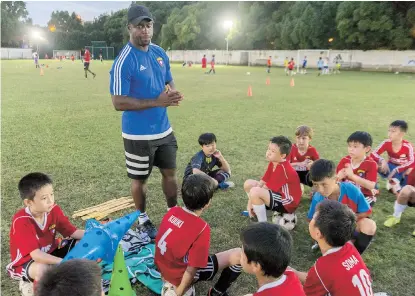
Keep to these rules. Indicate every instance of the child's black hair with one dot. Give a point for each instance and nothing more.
(197, 191)
(335, 221)
(363, 138)
(31, 183)
(283, 143)
(78, 275)
(269, 245)
(206, 139)
(322, 168)
(403, 125)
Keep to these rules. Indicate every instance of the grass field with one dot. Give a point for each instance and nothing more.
(65, 125)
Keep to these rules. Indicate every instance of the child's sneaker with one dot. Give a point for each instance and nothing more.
(226, 185)
(392, 221)
(26, 288)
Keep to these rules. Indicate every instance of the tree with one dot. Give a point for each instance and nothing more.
(13, 21)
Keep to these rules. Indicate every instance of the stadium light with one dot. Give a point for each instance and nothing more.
(37, 36)
(227, 25)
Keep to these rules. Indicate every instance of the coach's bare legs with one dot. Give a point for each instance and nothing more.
(139, 193)
(169, 185)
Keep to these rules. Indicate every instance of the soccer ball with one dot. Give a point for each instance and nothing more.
(393, 184)
(248, 73)
(288, 221)
(168, 290)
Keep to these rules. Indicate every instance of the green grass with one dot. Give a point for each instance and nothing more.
(65, 125)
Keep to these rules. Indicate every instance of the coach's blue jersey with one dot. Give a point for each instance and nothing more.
(350, 195)
(142, 75)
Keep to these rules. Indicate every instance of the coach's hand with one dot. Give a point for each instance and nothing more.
(171, 98)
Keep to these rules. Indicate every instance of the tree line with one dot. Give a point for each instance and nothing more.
(256, 25)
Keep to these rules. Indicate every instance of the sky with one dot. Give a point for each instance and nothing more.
(40, 11)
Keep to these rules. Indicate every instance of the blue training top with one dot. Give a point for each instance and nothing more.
(142, 75)
(350, 195)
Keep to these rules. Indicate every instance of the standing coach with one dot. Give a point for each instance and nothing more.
(142, 86)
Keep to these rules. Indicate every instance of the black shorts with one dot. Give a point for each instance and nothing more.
(305, 178)
(320, 68)
(207, 273)
(303, 66)
(58, 252)
(411, 204)
(86, 65)
(142, 155)
(275, 203)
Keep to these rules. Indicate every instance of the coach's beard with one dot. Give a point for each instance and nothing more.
(142, 42)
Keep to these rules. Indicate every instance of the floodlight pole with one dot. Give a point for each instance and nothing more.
(227, 50)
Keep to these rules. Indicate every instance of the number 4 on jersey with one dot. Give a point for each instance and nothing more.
(162, 245)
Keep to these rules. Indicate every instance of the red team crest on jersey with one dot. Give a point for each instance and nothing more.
(160, 61)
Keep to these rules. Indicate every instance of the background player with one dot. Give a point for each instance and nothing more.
(87, 61)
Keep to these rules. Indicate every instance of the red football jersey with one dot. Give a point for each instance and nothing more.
(367, 169)
(26, 235)
(341, 272)
(296, 156)
(411, 178)
(404, 158)
(204, 61)
(287, 285)
(183, 239)
(284, 180)
(87, 56)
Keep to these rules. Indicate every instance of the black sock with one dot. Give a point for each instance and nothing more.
(227, 277)
(222, 177)
(362, 241)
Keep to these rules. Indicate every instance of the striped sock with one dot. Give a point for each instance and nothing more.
(227, 277)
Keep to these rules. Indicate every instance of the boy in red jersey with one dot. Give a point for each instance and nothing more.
(269, 63)
(87, 61)
(400, 152)
(291, 65)
(266, 252)
(212, 65)
(406, 198)
(359, 169)
(183, 240)
(302, 154)
(33, 242)
(341, 270)
(279, 189)
(204, 62)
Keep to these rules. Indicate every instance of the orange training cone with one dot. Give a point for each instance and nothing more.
(249, 91)
(41, 72)
(268, 82)
(292, 82)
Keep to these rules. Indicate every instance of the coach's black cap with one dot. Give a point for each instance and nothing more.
(137, 13)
